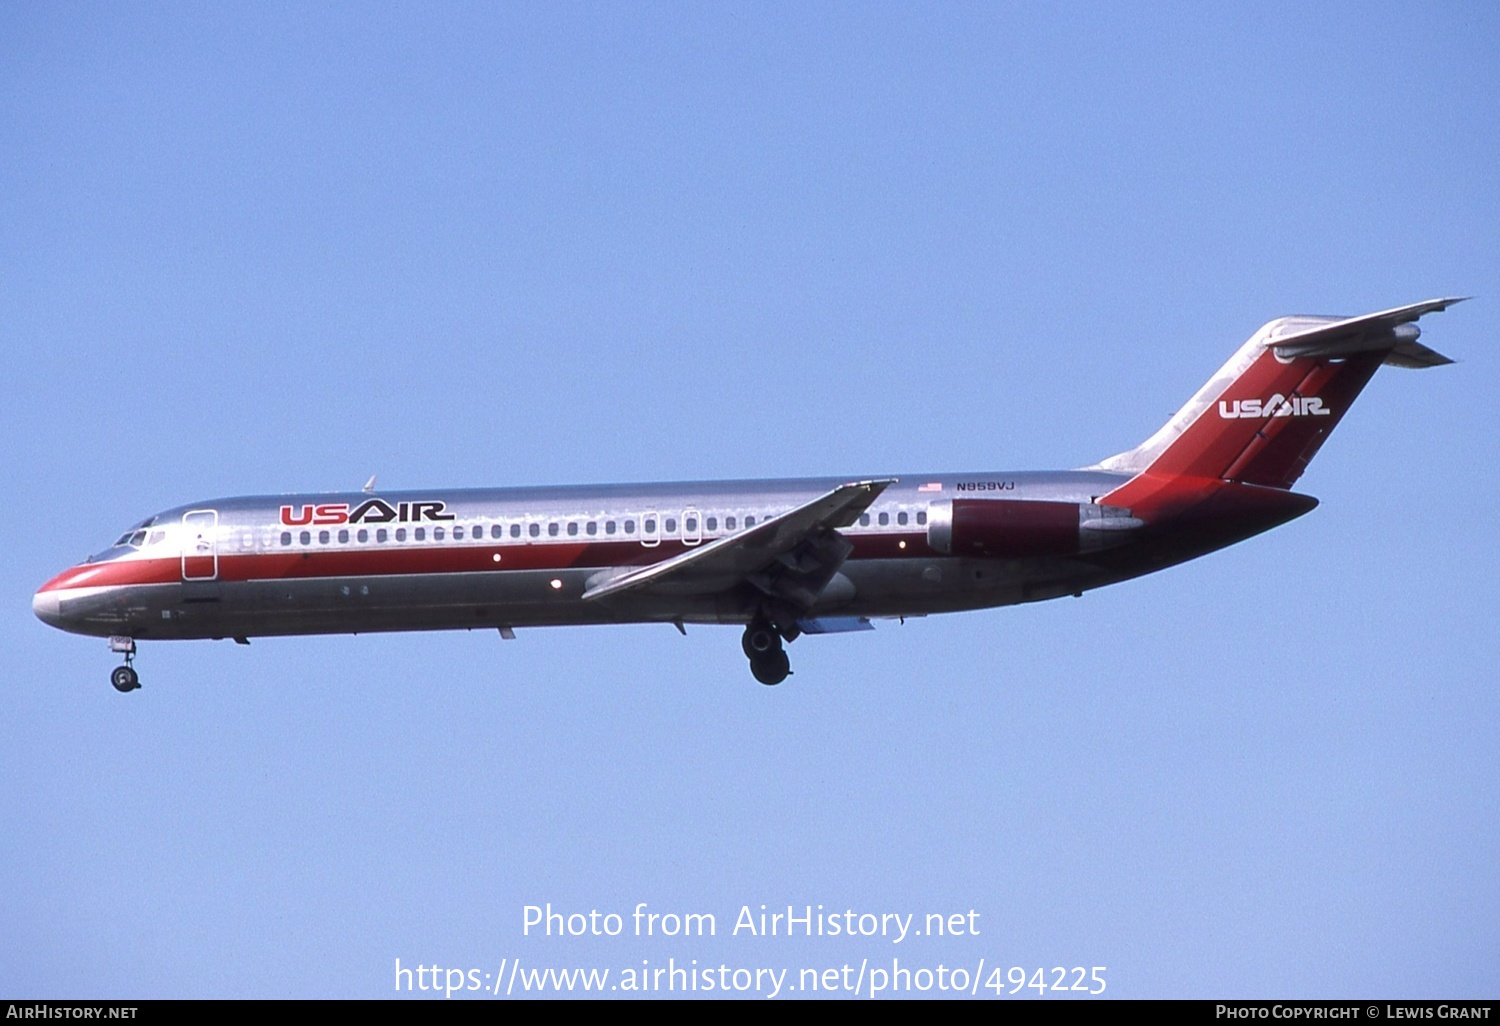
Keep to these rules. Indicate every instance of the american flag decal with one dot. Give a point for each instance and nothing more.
(931, 486)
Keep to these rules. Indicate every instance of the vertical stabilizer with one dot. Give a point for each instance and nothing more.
(1264, 415)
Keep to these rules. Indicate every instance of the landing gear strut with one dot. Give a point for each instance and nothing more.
(768, 661)
(124, 678)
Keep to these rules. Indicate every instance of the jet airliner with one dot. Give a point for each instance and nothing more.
(781, 558)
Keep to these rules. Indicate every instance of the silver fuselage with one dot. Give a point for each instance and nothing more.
(513, 557)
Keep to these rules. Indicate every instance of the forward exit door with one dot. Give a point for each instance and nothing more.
(200, 547)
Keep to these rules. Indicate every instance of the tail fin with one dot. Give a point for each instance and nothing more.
(1264, 415)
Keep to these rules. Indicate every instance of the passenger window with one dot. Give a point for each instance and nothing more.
(286, 537)
(401, 534)
(671, 525)
(344, 537)
(630, 527)
(750, 520)
(609, 527)
(729, 523)
(437, 533)
(593, 528)
(552, 529)
(864, 520)
(922, 516)
(305, 538)
(901, 518)
(363, 536)
(690, 524)
(380, 534)
(572, 529)
(497, 533)
(650, 526)
(419, 534)
(885, 518)
(458, 533)
(712, 523)
(536, 530)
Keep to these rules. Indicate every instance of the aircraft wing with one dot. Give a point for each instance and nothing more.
(1392, 330)
(803, 543)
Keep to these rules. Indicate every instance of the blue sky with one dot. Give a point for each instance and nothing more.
(262, 248)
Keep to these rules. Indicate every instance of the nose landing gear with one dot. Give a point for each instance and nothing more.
(124, 678)
(769, 663)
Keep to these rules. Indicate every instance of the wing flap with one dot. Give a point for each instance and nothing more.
(835, 624)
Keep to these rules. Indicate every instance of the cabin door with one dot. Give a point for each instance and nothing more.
(200, 548)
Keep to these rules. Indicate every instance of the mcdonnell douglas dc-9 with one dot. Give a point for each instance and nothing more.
(783, 558)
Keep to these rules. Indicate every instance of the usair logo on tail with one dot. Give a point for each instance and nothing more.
(1276, 406)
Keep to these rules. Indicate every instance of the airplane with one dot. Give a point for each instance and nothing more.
(783, 558)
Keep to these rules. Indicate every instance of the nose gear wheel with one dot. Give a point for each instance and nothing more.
(124, 678)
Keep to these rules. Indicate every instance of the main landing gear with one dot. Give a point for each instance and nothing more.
(124, 678)
(768, 661)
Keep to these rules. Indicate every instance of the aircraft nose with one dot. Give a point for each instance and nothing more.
(45, 604)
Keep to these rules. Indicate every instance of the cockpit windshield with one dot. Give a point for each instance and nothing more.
(141, 536)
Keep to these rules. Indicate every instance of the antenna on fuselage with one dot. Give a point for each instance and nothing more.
(369, 485)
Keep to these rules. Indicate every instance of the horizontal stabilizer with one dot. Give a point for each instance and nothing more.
(1415, 356)
(1391, 330)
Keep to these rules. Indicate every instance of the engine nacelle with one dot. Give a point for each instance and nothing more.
(1017, 528)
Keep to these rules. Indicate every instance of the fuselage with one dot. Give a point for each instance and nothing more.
(513, 557)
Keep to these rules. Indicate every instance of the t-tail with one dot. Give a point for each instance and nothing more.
(1249, 433)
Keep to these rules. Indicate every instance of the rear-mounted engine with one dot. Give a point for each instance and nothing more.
(1017, 528)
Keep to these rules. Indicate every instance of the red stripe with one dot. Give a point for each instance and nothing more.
(292, 563)
(117, 572)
